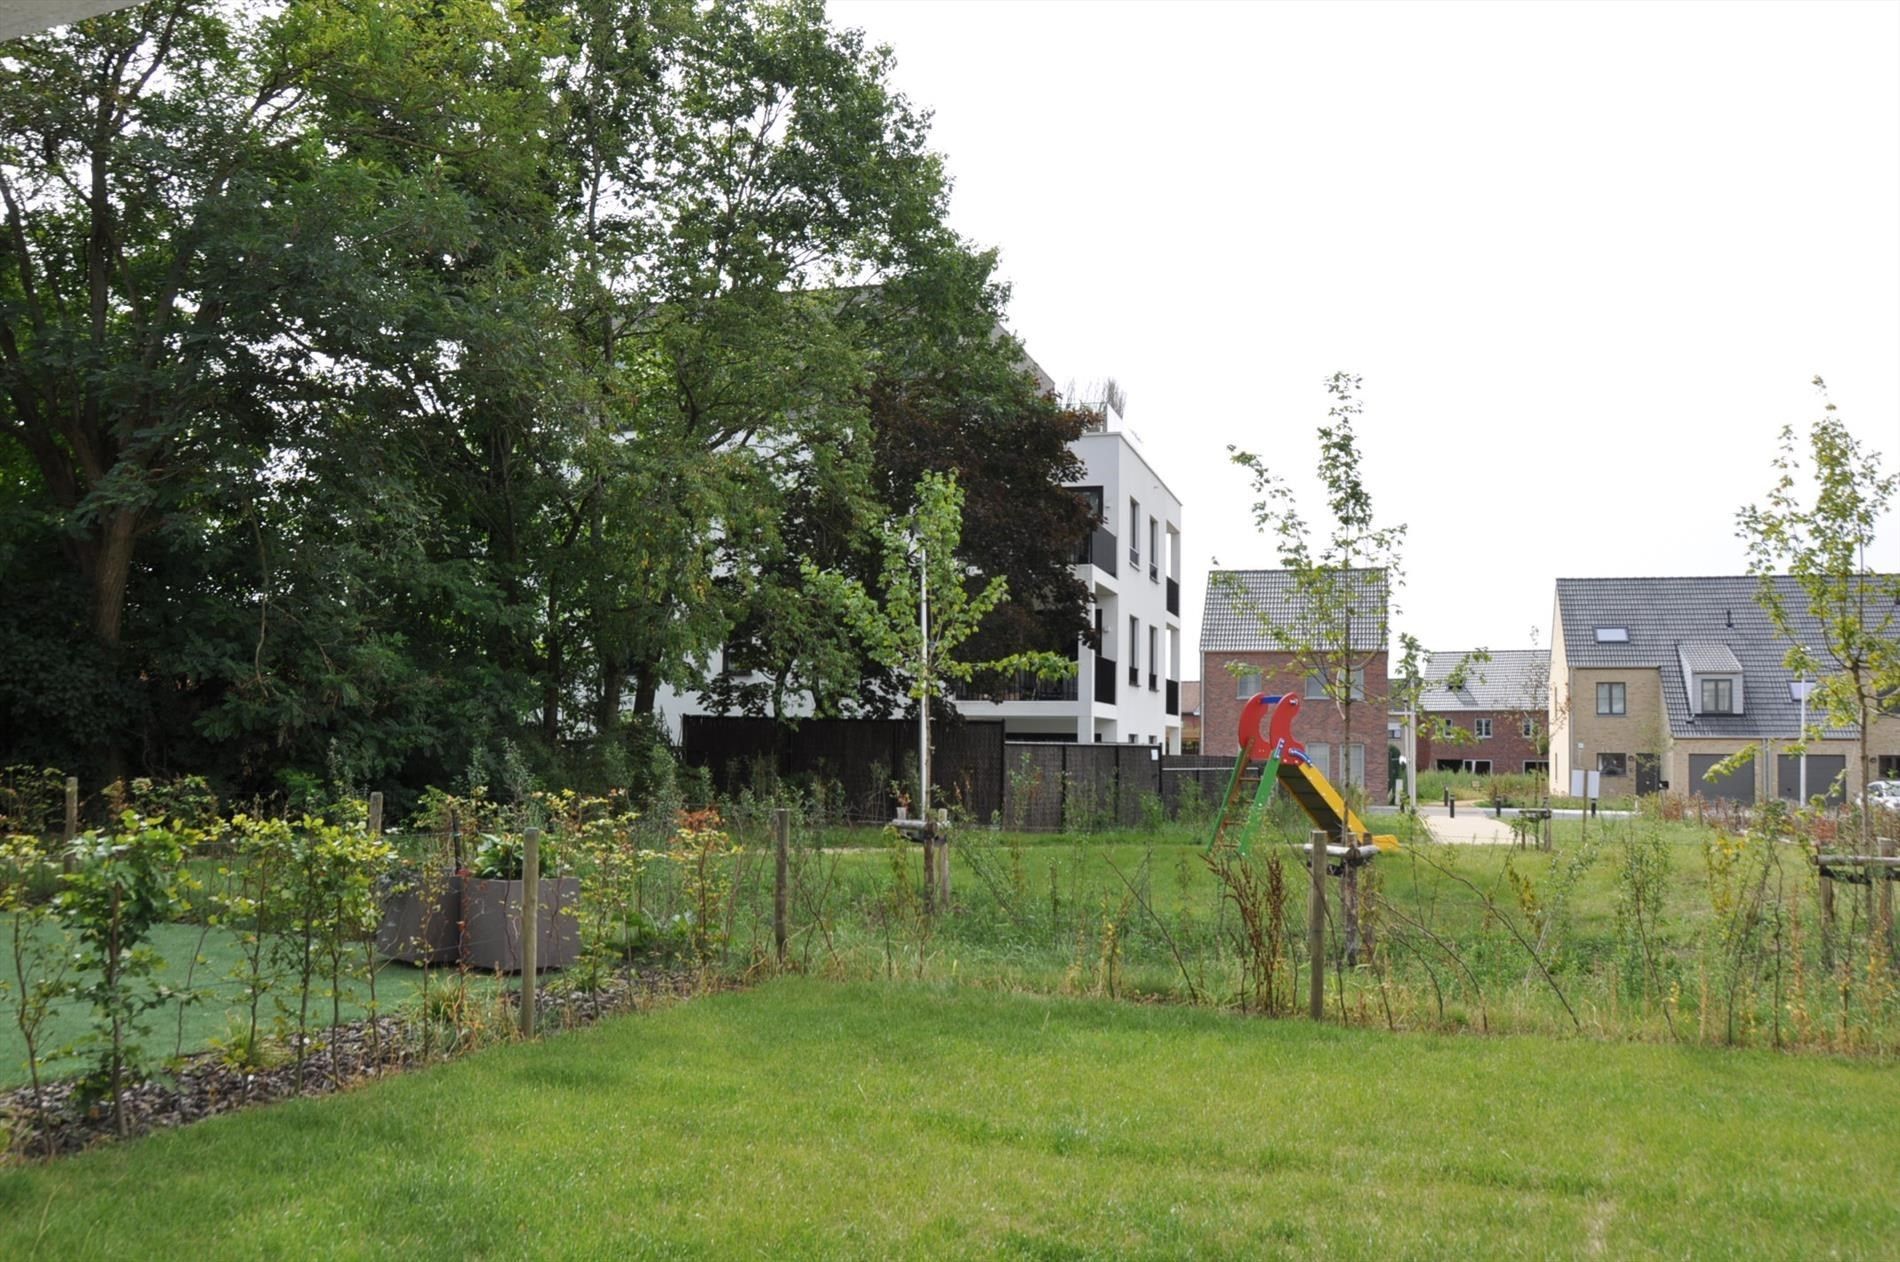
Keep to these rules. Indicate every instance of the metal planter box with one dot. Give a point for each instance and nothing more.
(491, 914)
(422, 919)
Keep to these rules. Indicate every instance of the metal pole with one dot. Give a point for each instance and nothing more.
(923, 699)
(1802, 736)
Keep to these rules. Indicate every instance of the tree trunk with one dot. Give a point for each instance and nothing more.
(613, 680)
(551, 682)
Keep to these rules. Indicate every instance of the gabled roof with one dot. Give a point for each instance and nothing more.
(1717, 620)
(1241, 603)
(1514, 679)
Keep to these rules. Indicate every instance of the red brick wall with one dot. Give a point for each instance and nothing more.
(1319, 723)
(1507, 749)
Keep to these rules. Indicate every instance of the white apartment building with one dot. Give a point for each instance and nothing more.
(1129, 690)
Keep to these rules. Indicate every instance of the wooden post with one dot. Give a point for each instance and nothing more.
(1316, 927)
(1349, 903)
(375, 815)
(782, 845)
(72, 822)
(1826, 884)
(943, 860)
(530, 928)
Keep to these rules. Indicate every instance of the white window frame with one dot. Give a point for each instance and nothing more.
(1481, 728)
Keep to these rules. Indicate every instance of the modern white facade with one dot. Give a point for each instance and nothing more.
(1128, 691)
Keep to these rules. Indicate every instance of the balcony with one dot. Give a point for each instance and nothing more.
(1098, 550)
(1174, 598)
(1023, 686)
(1174, 696)
(1104, 680)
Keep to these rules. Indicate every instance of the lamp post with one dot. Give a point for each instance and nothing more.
(1801, 688)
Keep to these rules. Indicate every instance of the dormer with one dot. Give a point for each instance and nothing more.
(1713, 675)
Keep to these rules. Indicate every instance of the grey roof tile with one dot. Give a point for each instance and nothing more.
(1514, 679)
(1239, 602)
(1667, 615)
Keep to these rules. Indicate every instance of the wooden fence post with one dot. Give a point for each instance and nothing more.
(781, 845)
(530, 927)
(1349, 903)
(1316, 927)
(72, 822)
(375, 815)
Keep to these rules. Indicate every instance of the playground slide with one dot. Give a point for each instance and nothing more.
(1322, 803)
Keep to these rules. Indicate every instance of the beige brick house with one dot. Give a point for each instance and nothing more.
(1653, 681)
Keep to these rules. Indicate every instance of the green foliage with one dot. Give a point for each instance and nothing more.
(118, 890)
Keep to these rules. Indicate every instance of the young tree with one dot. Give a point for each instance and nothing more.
(1841, 621)
(1339, 616)
(925, 612)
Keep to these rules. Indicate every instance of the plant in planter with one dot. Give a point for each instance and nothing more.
(491, 908)
(421, 898)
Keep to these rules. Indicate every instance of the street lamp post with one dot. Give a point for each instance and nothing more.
(1801, 688)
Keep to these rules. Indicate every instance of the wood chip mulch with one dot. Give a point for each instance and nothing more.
(335, 1060)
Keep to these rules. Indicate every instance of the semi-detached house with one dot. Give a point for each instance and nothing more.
(1654, 681)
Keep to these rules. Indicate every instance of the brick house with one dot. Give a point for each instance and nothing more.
(1654, 681)
(1240, 657)
(1499, 708)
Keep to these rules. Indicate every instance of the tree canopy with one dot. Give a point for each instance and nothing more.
(384, 385)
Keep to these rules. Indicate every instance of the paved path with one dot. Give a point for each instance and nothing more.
(1471, 827)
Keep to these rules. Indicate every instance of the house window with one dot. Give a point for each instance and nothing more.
(1613, 764)
(1316, 684)
(1134, 650)
(1134, 533)
(1477, 766)
(1481, 728)
(1613, 635)
(1530, 727)
(1540, 766)
(1889, 767)
(1245, 686)
(1154, 656)
(1154, 551)
(1718, 696)
(1612, 699)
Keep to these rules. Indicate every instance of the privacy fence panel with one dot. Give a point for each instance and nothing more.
(855, 758)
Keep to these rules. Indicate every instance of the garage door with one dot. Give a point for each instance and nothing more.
(1823, 771)
(1737, 786)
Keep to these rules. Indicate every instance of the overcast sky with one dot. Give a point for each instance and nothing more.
(1587, 258)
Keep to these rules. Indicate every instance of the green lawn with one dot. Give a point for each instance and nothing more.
(806, 1119)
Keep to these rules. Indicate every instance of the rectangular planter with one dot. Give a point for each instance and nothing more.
(422, 919)
(491, 911)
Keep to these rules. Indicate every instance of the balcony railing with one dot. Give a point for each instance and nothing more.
(1024, 686)
(1098, 550)
(1174, 696)
(1104, 680)
(1174, 597)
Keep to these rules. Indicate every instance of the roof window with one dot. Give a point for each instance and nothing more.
(1613, 635)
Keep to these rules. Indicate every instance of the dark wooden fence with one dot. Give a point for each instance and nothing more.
(857, 757)
(1040, 785)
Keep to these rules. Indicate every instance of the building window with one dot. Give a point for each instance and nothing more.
(1134, 533)
(1481, 728)
(1613, 764)
(1245, 686)
(1477, 766)
(1530, 727)
(1154, 551)
(1154, 659)
(1540, 766)
(1612, 699)
(1316, 685)
(1718, 696)
(1613, 635)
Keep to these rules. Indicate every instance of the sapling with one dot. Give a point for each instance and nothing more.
(119, 888)
(39, 952)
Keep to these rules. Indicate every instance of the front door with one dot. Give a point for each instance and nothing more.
(1648, 774)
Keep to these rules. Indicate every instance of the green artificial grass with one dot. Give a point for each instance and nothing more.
(803, 1119)
(214, 1011)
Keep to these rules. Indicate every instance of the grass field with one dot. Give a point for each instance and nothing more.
(808, 1119)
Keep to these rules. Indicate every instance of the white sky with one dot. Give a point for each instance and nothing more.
(1587, 257)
